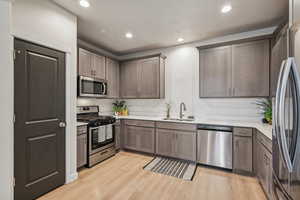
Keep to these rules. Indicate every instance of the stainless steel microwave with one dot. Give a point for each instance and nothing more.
(91, 87)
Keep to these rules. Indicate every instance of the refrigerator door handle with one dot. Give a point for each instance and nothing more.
(290, 67)
(276, 110)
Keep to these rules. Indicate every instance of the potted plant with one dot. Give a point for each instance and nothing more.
(120, 108)
(266, 107)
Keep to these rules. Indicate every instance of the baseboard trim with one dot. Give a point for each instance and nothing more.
(71, 178)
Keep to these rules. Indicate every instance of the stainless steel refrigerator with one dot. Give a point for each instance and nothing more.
(286, 126)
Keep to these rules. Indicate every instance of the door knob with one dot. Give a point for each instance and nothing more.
(62, 124)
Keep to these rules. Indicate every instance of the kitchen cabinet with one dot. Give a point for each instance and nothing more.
(129, 79)
(176, 143)
(215, 72)
(112, 77)
(143, 78)
(81, 146)
(278, 54)
(98, 66)
(250, 69)
(139, 138)
(242, 150)
(90, 64)
(237, 70)
(117, 130)
(263, 159)
(85, 63)
(295, 10)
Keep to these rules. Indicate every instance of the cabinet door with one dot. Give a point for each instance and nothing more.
(165, 142)
(242, 156)
(296, 13)
(98, 65)
(112, 77)
(117, 137)
(146, 139)
(129, 79)
(279, 53)
(250, 69)
(131, 138)
(84, 63)
(215, 72)
(148, 78)
(186, 145)
(81, 150)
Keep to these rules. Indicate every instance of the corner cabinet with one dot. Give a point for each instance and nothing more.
(112, 77)
(238, 70)
(143, 78)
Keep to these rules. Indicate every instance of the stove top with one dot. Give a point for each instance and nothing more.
(93, 120)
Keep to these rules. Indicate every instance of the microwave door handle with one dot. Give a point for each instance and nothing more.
(104, 88)
(281, 116)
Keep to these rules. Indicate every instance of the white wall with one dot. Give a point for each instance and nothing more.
(45, 23)
(182, 85)
(6, 105)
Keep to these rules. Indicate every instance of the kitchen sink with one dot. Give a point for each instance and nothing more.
(178, 119)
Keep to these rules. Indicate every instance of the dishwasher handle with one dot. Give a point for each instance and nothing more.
(214, 128)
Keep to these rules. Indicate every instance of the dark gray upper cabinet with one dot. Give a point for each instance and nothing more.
(112, 77)
(238, 70)
(215, 72)
(85, 63)
(242, 150)
(143, 78)
(278, 54)
(91, 64)
(129, 79)
(250, 69)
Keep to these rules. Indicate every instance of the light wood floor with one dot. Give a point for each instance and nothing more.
(122, 178)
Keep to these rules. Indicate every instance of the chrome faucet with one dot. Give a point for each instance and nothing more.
(182, 108)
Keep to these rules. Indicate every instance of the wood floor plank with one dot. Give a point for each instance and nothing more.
(123, 178)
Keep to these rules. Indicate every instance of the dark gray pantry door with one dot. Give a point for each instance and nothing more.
(39, 137)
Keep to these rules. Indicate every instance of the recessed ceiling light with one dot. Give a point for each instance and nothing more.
(129, 35)
(84, 3)
(226, 8)
(180, 40)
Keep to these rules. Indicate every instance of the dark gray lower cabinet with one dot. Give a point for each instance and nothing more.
(81, 146)
(176, 143)
(242, 154)
(242, 150)
(263, 163)
(117, 137)
(139, 138)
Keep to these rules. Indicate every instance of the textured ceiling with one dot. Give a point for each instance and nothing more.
(158, 23)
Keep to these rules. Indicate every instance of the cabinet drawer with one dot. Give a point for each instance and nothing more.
(142, 123)
(246, 132)
(81, 130)
(176, 126)
(264, 140)
(118, 122)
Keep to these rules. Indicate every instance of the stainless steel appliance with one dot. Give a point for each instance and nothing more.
(101, 136)
(286, 125)
(91, 87)
(215, 144)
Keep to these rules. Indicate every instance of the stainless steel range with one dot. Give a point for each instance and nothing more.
(101, 136)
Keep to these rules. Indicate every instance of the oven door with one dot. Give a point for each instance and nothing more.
(90, 87)
(100, 138)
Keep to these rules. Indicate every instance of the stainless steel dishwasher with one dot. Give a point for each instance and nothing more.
(215, 146)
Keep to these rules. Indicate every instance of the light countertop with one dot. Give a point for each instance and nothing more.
(81, 124)
(266, 129)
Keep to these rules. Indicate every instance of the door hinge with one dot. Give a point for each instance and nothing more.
(15, 53)
(14, 118)
(14, 182)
